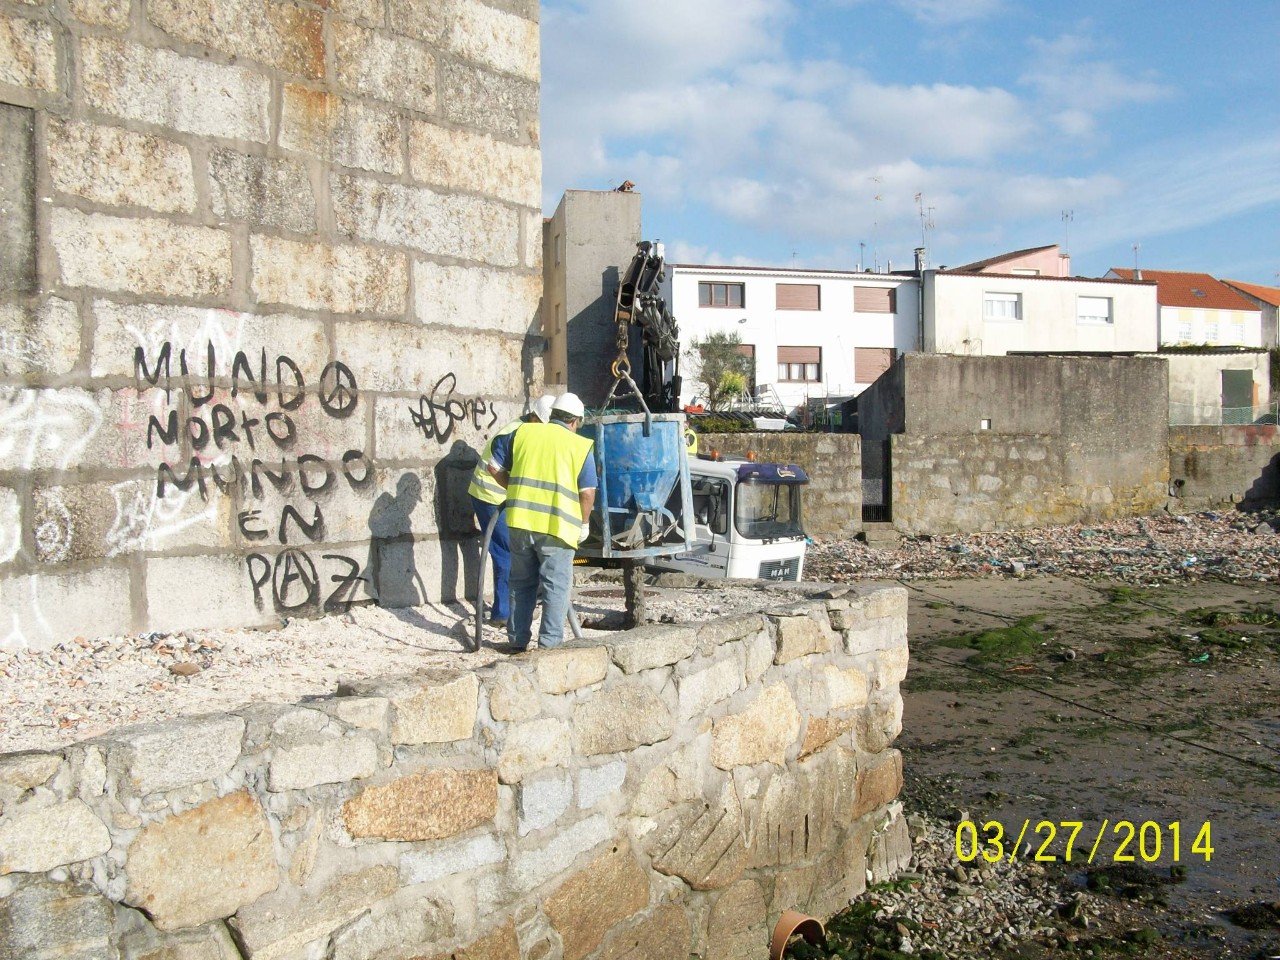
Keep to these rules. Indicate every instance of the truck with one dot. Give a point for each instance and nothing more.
(747, 521)
(747, 517)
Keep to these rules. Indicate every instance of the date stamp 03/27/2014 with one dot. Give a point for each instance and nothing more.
(1067, 841)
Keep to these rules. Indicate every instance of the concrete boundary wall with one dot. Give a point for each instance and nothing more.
(270, 275)
(665, 792)
(1212, 467)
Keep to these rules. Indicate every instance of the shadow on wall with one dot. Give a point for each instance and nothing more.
(455, 521)
(393, 570)
(1266, 488)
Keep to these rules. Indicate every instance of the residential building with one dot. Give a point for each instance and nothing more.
(1027, 302)
(1211, 335)
(816, 336)
(1267, 300)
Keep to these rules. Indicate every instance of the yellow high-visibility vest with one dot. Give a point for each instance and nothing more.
(483, 487)
(542, 494)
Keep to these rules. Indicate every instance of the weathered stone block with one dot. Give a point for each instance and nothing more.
(607, 891)
(501, 944)
(726, 629)
(140, 255)
(663, 935)
(503, 105)
(462, 160)
(542, 802)
(346, 132)
(703, 844)
(402, 925)
(758, 652)
(17, 203)
(150, 759)
(103, 13)
(799, 637)
(277, 927)
(204, 864)
(339, 278)
(762, 733)
(475, 298)
(511, 694)
(441, 365)
(709, 686)
(261, 190)
(491, 37)
(879, 782)
(287, 36)
(118, 167)
(880, 723)
(646, 648)
(385, 67)
(36, 838)
(819, 731)
(28, 54)
(39, 340)
(890, 850)
(570, 667)
(26, 770)
(846, 689)
(10, 525)
(429, 707)
(47, 610)
(52, 921)
(468, 228)
(364, 713)
(597, 783)
(736, 926)
(621, 717)
(531, 868)
(184, 93)
(209, 592)
(424, 806)
(331, 759)
(426, 866)
(840, 876)
(531, 746)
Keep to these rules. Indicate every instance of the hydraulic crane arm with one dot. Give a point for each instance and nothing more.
(640, 302)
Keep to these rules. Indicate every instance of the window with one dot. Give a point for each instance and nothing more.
(1025, 272)
(1002, 306)
(721, 295)
(1211, 329)
(800, 364)
(1093, 310)
(798, 296)
(870, 362)
(874, 300)
(1186, 327)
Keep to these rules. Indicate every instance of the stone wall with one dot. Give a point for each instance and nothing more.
(833, 498)
(1212, 467)
(269, 274)
(667, 792)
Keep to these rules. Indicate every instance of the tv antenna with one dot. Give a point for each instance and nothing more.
(875, 224)
(926, 220)
(1067, 217)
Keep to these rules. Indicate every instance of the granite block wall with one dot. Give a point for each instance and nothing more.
(268, 272)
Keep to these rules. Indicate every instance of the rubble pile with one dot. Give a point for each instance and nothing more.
(1143, 550)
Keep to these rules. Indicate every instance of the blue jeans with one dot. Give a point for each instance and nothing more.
(539, 560)
(500, 551)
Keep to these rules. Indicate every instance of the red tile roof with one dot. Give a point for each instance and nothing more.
(1269, 295)
(1176, 289)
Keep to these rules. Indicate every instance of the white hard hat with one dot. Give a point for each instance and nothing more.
(570, 404)
(542, 408)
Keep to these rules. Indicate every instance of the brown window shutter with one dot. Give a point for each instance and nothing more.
(798, 296)
(874, 299)
(870, 362)
(799, 354)
(747, 350)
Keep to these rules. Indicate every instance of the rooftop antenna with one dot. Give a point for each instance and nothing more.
(1137, 271)
(875, 224)
(1067, 217)
(862, 255)
(926, 220)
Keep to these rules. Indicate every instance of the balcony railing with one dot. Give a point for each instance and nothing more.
(1211, 415)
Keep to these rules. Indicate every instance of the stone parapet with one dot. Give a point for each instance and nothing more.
(656, 793)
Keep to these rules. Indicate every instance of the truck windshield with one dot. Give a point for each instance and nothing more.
(766, 511)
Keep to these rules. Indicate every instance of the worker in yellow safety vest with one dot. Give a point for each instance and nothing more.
(486, 500)
(550, 477)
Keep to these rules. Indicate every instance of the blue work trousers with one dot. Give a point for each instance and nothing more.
(539, 560)
(500, 551)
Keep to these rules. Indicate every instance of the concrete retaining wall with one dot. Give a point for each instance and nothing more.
(1222, 466)
(268, 273)
(833, 498)
(664, 793)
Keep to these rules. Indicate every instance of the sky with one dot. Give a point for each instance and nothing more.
(830, 134)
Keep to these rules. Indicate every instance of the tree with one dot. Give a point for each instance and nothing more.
(722, 369)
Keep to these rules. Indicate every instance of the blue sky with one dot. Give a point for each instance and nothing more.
(763, 131)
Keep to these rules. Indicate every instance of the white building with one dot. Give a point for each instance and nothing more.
(1027, 302)
(814, 334)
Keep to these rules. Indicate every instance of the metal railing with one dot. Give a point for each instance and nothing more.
(1213, 415)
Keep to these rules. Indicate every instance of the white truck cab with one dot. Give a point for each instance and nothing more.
(747, 521)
